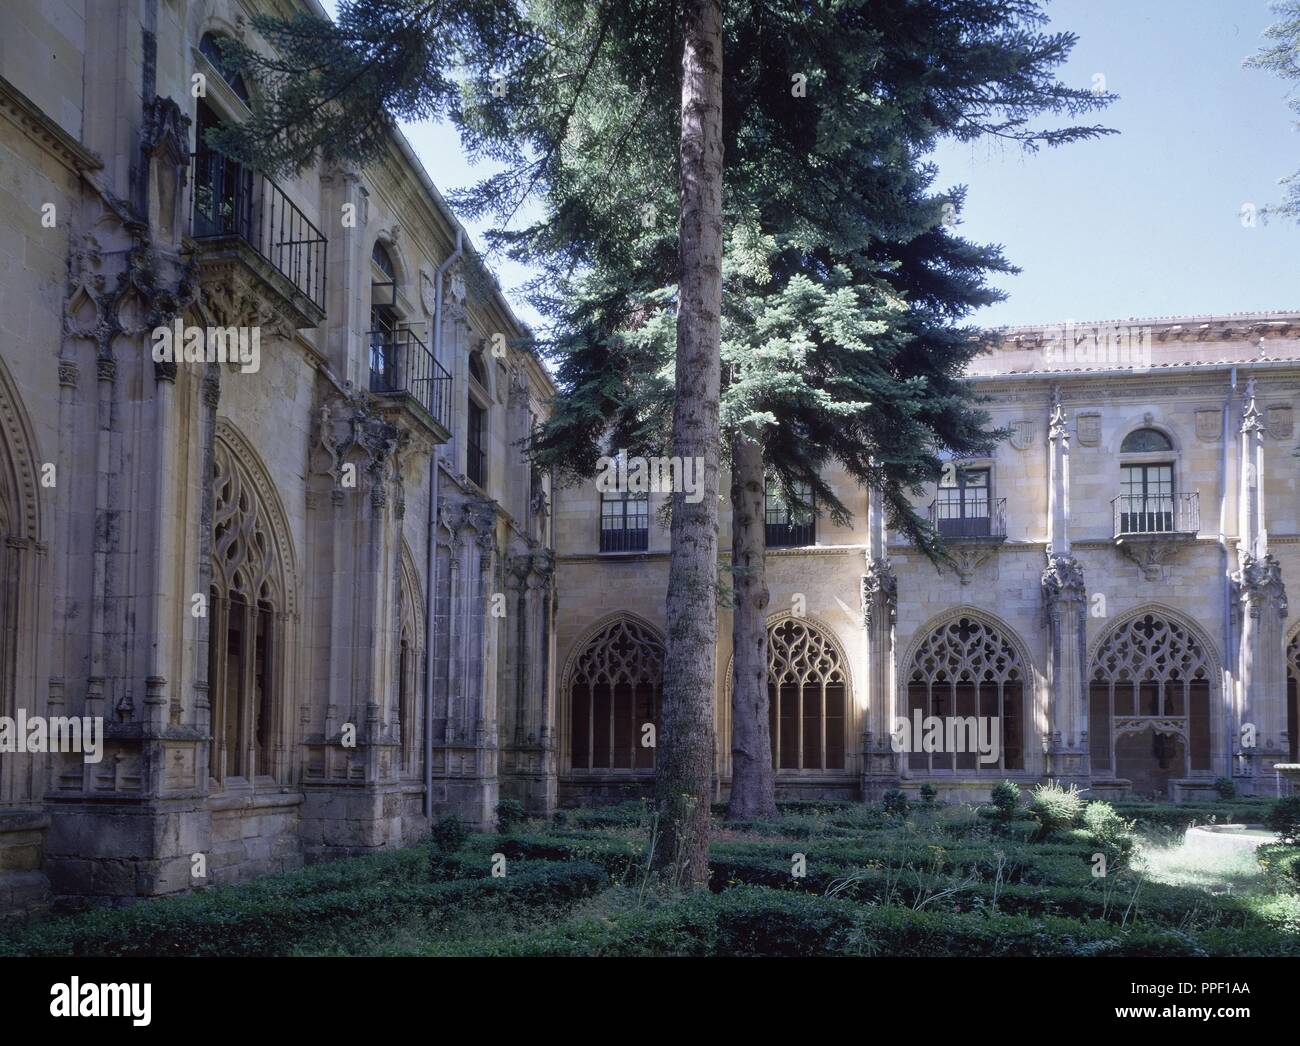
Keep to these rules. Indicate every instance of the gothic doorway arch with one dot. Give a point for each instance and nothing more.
(1152, 683)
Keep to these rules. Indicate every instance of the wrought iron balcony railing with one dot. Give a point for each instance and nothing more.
(981, 519)
(231, 200)
(402, 365)
(791, 534)
(624, 539)
(1142, 514)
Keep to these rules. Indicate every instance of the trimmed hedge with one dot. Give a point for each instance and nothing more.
(268, 918)
(755, 920)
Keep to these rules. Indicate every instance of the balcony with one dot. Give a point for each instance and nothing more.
(791, 535)
(239, 215)
(982, 520)
(619, 539)
(1156, 515)
(1150, 529)
(403, 369)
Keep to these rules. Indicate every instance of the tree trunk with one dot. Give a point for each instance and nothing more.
(753, 785)
(684, 760)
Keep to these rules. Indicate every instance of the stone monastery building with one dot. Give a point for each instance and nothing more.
(320, 601)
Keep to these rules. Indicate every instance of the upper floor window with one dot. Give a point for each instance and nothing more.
(476, 431)
(475, 458)
(962, 504)
(477, 371)
(624, 522)
(383, 320)
(1149, 501)
(789, 524)
(210, 48)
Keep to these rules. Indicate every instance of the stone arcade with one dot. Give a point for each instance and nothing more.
(240, 573)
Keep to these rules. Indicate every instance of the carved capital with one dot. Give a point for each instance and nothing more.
(879, 589)
(1257, 584)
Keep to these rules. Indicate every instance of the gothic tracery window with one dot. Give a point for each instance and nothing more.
(1150, 675)
(614, 692)
(408, 663)
(246, 626)
(968, 668)
(807, 698)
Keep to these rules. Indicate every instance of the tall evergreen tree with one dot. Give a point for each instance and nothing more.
(846, 284)
(1282, 56)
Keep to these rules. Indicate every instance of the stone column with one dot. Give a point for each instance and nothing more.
(1260, 608)
(1065, 618)
(881, 765)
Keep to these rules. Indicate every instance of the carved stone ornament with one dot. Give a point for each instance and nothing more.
(1089, 429)
(1257, 584)
(1152, 554)
(428, 297)
(1022, 434)
(966, 559)
(1209, 425)
(879, 582)
(1062, 580)
(1279, 422)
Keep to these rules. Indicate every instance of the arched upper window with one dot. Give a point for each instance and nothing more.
(246, 625)
(1149, 703)
(476, 369)
(1148, 501)
(476, 423)
(1146, 441)
(614, 691)
(807, 697)
(384, 261)
(210, 48)
(386, 341)
(968, 668)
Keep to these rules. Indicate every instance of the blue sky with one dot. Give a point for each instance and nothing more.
(1143, 223)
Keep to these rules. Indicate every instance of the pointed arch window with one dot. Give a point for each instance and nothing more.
(807, 698)
(614, 691)
(408, 666)
(968, 668)
(1150, 676)
(245, 627)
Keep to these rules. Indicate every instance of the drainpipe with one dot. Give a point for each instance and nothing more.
(431, 551)
(1229, 682)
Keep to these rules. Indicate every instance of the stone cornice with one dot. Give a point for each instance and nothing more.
(27, 116)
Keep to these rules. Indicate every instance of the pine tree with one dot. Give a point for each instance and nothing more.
(1283, 58)
(844, 286)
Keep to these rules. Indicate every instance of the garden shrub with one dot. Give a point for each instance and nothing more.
(1055, 806)
(1109, 832)
(928, 794)
(1006, 800)
(1281, 863)
(1225, 787)
(449, 834)
(895, 802)
(1284, 819)
(510, 814)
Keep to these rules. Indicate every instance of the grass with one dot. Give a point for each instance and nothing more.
(945, 880)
